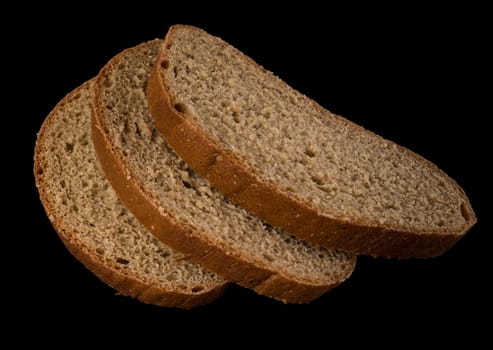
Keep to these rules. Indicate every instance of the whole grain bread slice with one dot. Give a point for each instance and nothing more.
(180, 208)
(296, 165)
(94, 225)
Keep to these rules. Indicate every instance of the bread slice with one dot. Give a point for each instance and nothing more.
(296, 165)
(94, 225)
(180, 208)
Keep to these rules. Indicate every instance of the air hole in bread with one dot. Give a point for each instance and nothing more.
(197, 289)
(236, 117)
(137, 130)
(122, 261)
(69, 147)
(186, 184)
(317, 180)
(180, 107)
(62, 184)
(164, 64)
(309, 152)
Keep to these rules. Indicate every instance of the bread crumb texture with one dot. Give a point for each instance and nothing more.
(315, 156)
(187, 197)
(85, 205)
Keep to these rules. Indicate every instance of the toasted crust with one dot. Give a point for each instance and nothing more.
(183, 238)
(125, 284)
(226, 172)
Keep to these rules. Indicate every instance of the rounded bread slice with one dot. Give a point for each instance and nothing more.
(179, 206)
(296, 165)
(95, 226)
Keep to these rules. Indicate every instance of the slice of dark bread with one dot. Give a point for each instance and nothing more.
(94, 225)
(297, 166)
(180, 208)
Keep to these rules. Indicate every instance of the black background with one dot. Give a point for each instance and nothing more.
(413, 75)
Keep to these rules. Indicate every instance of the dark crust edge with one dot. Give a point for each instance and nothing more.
(127, 285)
(229, 174)
(182, 237)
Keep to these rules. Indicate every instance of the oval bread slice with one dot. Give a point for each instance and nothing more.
(296, 165)
(95, 226)
(179, 206)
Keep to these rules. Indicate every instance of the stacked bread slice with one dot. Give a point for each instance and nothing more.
(294, 164)
(96, 227)
(166, 196)
(106, 168)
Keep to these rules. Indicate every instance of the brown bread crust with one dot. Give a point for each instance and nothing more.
(183, 238)
(229, 174)
(124, 284)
